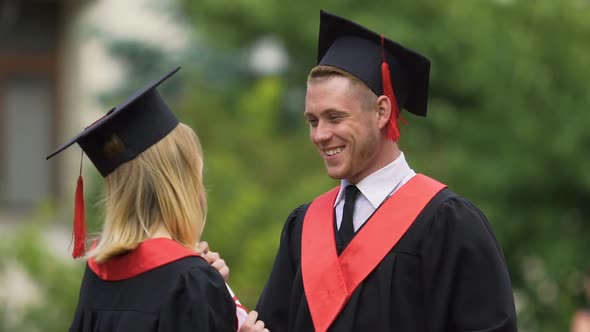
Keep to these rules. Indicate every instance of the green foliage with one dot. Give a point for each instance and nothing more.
(56, 283)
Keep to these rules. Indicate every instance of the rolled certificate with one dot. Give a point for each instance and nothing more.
(241, 311)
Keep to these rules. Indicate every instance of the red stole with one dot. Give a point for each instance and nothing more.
(328, 279)
(148, 255)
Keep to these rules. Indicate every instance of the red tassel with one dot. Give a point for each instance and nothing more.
(79, 233)
(79, 221)
(392, 130)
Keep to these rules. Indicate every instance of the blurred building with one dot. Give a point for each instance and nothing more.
(39, 61)
(54, 62)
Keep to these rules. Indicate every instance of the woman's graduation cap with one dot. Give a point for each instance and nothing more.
(122, 134)
(385, 66)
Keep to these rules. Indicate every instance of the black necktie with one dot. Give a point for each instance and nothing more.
(346, 227)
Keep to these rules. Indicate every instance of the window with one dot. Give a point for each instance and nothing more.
(28, 99)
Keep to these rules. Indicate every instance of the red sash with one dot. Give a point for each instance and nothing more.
(328, 279)
(150, 254)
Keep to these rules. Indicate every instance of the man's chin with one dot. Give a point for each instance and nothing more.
(335, 175)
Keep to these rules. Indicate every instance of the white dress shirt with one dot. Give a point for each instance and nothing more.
(374, 189)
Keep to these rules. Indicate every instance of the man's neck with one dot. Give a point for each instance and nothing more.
(388, 154)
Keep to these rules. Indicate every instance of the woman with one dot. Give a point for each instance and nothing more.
(144, 272)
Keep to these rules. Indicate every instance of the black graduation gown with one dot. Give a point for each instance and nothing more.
(183, 295)
(447, 273)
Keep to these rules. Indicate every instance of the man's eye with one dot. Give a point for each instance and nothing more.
(312, 122)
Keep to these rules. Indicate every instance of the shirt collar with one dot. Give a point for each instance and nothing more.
(377, 186)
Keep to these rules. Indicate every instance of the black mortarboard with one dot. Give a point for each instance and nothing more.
(351, 47)
(122, 134)
(137, 123)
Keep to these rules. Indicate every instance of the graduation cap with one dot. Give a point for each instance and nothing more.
(385, 66)
(127, 130)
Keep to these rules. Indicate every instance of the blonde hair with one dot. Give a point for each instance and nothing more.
(163, 186)
(368, 97)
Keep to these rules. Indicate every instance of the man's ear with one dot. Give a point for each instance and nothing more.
(383, 111)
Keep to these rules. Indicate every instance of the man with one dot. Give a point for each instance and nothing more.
(388, 250)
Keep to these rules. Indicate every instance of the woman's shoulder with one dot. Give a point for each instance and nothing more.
(190, 262)
(194, 266)
(200, 291)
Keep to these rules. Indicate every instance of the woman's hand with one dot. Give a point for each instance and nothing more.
(252, 324)
(214, 259)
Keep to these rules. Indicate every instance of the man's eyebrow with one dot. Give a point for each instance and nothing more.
(324, 112)
(308, 115)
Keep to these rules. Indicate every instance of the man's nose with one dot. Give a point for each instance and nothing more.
(321, 133)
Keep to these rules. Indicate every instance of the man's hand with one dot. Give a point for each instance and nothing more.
(252, 324)
(214, 259)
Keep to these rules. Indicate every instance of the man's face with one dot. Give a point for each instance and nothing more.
(346, 134)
